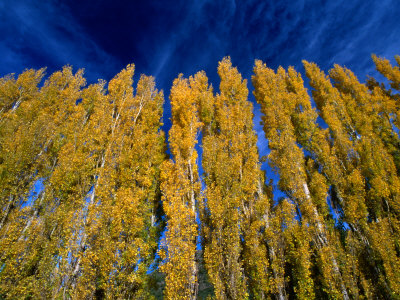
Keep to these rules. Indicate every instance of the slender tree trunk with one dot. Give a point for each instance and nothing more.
(194, 275)
(281, 289)
(7, 210)
(76, 267)
(321, 236)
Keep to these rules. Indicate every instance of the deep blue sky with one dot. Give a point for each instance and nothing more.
(165, 38)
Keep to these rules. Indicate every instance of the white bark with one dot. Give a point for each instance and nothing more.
(321, 236)
(6, 211)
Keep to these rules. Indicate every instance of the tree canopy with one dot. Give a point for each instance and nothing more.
(95, 203)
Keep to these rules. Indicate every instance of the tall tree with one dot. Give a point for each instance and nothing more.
(119, 233)
(55, 111)
(181, 189)
(235, 201)
(19, 145)
(92, 230)
(386, 102)
(377, 164)
(274, 92)
(353, 166)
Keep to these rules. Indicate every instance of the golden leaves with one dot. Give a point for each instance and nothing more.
(181, 189)
(99, 155)
(100, 159)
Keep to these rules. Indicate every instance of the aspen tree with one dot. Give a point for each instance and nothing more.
(68, 180)
(377, 165)
(87, 157)
(55, 104)
(18, 145)
(221, 166)
(278, 103)
(103, 233)
(344, 170)
(181, 188)
(353, 151)
(119, 240)
(60, 253)
(234, 198)
(317, 142)
(387, 106)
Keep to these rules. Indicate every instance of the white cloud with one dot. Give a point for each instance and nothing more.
(48, 30)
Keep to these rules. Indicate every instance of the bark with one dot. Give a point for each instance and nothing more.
(271, 251)
(194, 271)
(7, 210)
(321, 236)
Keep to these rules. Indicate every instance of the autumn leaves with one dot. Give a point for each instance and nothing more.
(91, 230)
(341, 185)
(113, 213)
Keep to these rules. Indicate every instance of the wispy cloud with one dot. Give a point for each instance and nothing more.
(165, 40)
(46, 34)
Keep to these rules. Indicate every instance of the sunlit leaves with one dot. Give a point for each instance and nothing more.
(86, 189)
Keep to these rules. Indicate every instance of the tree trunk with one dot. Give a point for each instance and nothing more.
(321, 237)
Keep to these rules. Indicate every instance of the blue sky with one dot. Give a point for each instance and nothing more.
(165, 38)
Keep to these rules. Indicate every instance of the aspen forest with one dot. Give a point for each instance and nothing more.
(98, 200)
